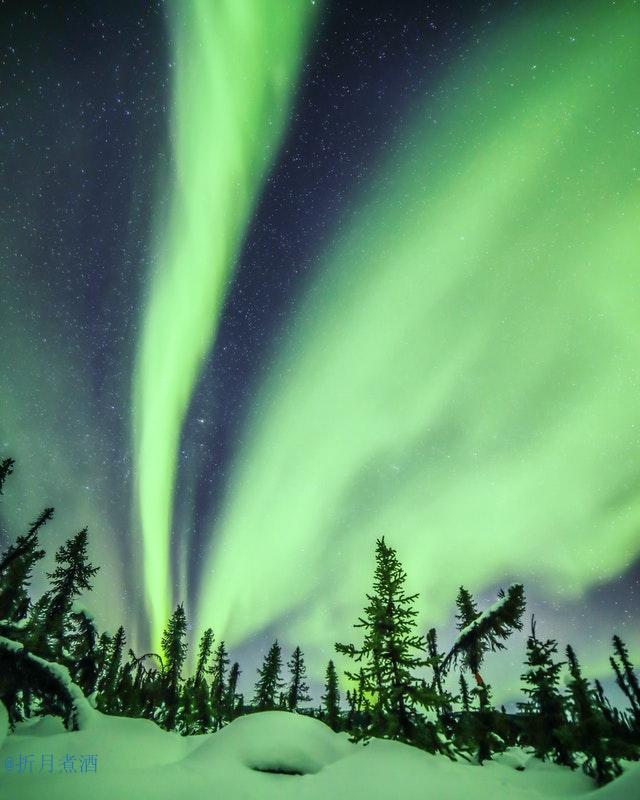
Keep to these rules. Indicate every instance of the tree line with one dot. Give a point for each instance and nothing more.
(400, 681)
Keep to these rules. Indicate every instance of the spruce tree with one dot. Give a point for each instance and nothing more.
(443, 709)
(84, 652)
(102, 655)
(269, 683)
(464, 692)
(15, 572)
(6, 468)
(546, 719)
(108, 700)
(233, 702)
(68, 580)
(219, 688)
(195, 708)
(204, 654)
(128, 688)
(626, 678)
(298, 689)
(480, 632)
(174, 649)
(331, 698)
(390, 652)
(590, 729)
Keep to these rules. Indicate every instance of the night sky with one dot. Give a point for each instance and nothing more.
(279, 278)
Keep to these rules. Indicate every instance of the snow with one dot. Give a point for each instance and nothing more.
(82, 707)
(481, 617)
(137, 759)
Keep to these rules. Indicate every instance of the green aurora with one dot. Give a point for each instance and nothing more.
(235, 69)
(462, 376)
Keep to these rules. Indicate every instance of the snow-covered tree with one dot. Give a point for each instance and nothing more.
(480, 632)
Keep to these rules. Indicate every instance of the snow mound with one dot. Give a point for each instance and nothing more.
(278, 742)
(40, 726)
(272, 755)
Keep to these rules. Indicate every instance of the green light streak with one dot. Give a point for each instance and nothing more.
(236, 63)
(463, 374)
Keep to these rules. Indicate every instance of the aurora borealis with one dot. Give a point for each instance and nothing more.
(233, 89)
(339, 272)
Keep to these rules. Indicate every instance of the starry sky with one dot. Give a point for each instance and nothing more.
(276, 283)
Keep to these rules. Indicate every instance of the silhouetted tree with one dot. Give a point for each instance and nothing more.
(331, 698)
(391, 650)
(219, 687)
(108, 700)
(6, 468)
(480, 632)
(233, 702)
(16, 566)
(68, 580)
(546, 719)
(464, 692)
(298, 689)
(84, 652)
(269, 683)
(174, 650)
(590, 729)
(626, 678)
(195, 714)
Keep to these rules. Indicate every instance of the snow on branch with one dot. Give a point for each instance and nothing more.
(50, 680)
(495, 623)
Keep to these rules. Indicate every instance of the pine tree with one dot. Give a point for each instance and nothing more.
(546, 727)
(204, 654)
(68, 580)
(436, 658)
(174, 649)
(6, 468)
(233, 702)
(390, 652)
(589, 729)
(102, 655)
(128, 688)
(219, 688)
(85, 666)
(108, 700)
(269, 682)
(626, 678)
(331, 698)
(480, 632)
(298, 689)
(464, 692)
(195, 708)
(466, 614)
(15, 571)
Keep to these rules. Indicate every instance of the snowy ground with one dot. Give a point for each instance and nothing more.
(136, 759)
